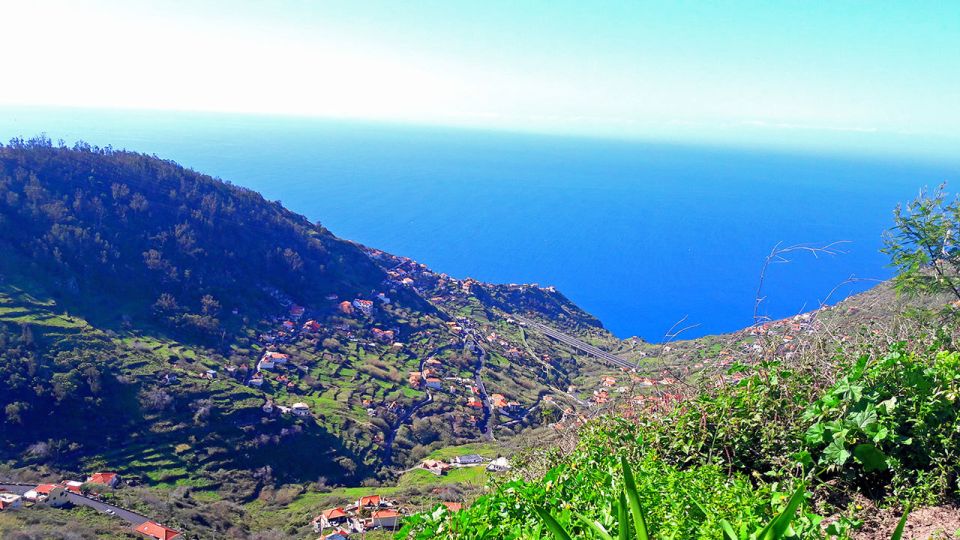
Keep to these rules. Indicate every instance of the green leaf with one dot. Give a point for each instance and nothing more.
(898, 532)
(728, 532)
(864, 419)
(889, 405)
(777, 529)
(630, 486)
(836, 453)
(816, 434)
(882, 434)
(552, 524)
(870, 457)
(700, 512)
(596, 527)
(622, 518)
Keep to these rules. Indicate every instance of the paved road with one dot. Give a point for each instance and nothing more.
(577, 344)
(488, 417)
(132, 518)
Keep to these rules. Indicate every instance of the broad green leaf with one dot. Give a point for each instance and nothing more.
(889, 405)
(803, 458)
(870, 457)
(836, 453)
(864, 419)
(816, 434)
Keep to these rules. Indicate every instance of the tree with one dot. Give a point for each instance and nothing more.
(14, 412)
(922, 245)
(209, 305)
(155, 399)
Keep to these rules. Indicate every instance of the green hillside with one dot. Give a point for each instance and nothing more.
(137, 299)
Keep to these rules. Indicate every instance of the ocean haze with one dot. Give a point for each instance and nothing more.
(639, 234)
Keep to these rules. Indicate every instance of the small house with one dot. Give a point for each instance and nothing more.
(48, 493)
(369, 501)
(300, 409)
(386, 518)
(9, 501)
(499, 465)
(155, 530)
(365, 306)
(270, 359)
(469, 459)
(332, 517)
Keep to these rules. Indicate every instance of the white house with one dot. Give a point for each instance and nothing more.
(386, 518)
(300, 409)
(271, 359)
(469, 459)
(499, 465)
(9, 501)
(47, 493)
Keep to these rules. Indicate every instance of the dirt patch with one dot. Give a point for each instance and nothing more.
(935, 522)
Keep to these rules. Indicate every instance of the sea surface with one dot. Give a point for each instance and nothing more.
(642, 235)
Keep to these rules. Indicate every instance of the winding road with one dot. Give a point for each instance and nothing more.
(132, 518)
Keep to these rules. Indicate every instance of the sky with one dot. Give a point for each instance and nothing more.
(871, 76)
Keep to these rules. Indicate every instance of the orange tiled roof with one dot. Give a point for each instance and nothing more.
(156, 530)
(102, 478)
(334, 513)
(369, 499)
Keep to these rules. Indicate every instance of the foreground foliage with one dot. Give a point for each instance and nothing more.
(780, 442)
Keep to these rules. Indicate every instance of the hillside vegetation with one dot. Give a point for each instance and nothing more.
(137, 299)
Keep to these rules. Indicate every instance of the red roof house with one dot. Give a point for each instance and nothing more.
(369, 500)
(155, 530)
(105, 478)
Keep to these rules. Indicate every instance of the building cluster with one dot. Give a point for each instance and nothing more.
(440, 467)
(76, 492)
(367, 513)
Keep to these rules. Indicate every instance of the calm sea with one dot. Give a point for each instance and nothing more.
(641, 235)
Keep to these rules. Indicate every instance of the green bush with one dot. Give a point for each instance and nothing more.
(885, 426)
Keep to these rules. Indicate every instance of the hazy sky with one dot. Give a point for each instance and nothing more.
(866, 74)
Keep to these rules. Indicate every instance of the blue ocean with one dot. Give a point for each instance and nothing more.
(641, 235)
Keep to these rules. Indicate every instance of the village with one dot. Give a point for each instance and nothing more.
(474, 407)
(368, 513)
(451, 369)
(377, 512)
(69, 493)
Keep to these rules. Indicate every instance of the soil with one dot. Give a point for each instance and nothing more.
(934, 522)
